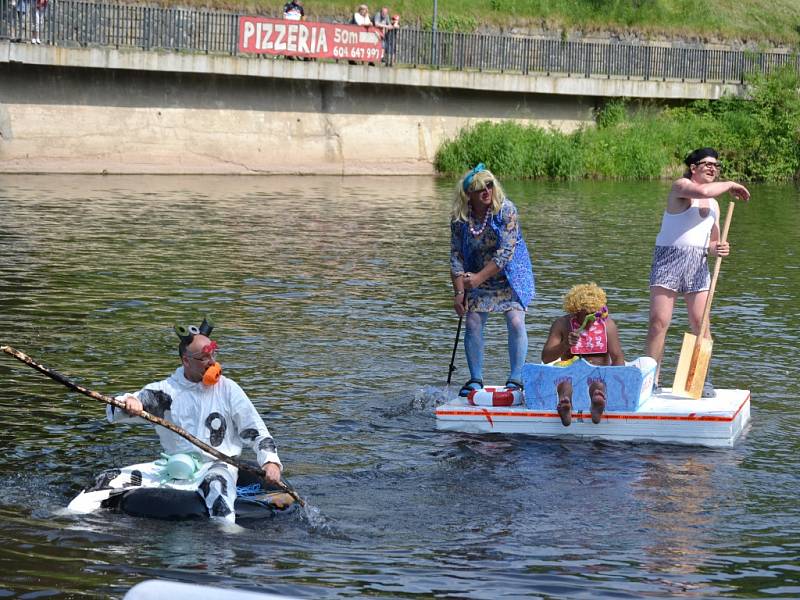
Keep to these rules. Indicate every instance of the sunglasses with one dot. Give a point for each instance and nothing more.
(489, 185)
(710, 165)
(209, 351)
(203, 357)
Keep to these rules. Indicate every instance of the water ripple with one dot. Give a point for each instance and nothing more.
(333, 310)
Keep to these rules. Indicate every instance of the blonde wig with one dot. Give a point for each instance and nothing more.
(584, 296)
(460, 210)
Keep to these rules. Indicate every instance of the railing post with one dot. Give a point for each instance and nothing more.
(684, 63)
(145, 27)
(628, 62)
(207, 37)
(234, 43)
(434, 44)
(704, 66)
(526, 55)
(589, 59)
(5, 16)
(568, 53)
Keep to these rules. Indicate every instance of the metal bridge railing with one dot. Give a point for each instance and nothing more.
(582, 59)
(84, 23)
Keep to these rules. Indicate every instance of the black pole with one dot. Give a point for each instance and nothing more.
(455, 346)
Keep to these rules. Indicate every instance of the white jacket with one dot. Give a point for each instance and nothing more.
(221, 415)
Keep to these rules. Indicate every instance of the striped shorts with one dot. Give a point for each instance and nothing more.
(682, 269)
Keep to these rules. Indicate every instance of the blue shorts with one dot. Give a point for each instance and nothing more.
(682, 269)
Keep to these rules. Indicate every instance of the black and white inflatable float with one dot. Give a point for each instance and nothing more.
(168, 489)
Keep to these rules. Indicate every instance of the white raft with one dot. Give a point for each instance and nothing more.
(663, 418)
(633, 413)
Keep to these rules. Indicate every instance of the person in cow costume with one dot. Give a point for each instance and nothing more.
(213, 408)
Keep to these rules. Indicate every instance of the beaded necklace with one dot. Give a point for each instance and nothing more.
(477, 231)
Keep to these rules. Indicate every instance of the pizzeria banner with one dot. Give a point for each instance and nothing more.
(305, 39)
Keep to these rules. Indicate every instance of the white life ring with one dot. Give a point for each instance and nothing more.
(495, 396)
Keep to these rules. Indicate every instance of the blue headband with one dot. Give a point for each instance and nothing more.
(471, 175)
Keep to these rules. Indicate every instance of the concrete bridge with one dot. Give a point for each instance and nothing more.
(102, 109)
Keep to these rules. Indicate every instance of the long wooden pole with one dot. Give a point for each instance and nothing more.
(56, 376)
(705, 324)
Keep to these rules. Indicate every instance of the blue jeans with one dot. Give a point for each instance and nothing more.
(517, 342)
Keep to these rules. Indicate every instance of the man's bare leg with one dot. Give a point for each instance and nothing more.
(597, 395)
(564, 408)
(662, 303)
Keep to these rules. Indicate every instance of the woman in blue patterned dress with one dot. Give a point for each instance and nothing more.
(491, 271)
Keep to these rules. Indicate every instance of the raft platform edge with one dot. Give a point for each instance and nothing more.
(664, 418)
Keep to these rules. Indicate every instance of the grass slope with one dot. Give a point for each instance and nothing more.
(767, 21)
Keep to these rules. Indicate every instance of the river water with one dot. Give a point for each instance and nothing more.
(333, 311)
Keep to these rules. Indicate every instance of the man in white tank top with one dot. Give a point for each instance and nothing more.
(689, 234)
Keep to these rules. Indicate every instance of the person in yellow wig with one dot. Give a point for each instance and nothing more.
(588, 332)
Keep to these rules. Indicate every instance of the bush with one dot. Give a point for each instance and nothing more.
(758, 138)
(612, 113)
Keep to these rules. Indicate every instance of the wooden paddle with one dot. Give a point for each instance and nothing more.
(21, 356)
(696, 350)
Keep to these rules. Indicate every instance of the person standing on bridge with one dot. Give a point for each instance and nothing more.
(293, 11)
(689, 234)
(361, 16)
(490, 269)
(390, 40)
(382, 20)
(21, 11)
(40, 8)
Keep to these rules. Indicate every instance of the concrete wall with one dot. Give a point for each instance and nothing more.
(95, 110)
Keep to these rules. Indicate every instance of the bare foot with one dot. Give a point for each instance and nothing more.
(597, 394)
(564, 408)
